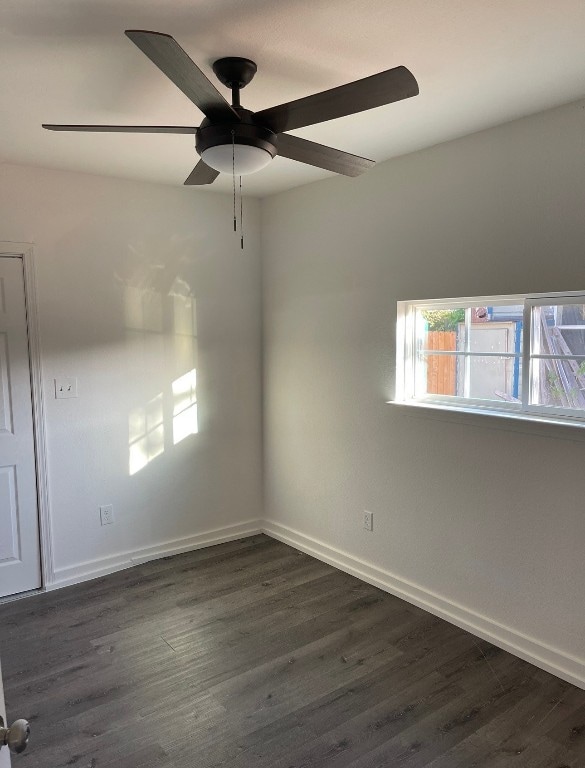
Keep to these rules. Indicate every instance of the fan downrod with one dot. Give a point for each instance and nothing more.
(234, 72)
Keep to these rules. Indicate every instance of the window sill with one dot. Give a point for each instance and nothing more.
(526, 423)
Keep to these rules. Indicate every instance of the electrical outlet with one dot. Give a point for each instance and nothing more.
(368, 521)
(66, 387)
(107, 514)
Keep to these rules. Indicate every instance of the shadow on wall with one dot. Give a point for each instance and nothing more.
(161, 336)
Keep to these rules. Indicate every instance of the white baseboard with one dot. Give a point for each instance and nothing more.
(93, 569)
(553, 660)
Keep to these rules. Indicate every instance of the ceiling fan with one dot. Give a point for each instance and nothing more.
(235, 140)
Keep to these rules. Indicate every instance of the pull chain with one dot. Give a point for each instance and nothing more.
(234, 174)
(234, 190)
(241, 217)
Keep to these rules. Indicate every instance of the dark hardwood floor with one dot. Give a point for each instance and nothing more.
(252, 655)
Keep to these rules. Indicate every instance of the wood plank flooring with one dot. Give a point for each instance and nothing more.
(253, 655)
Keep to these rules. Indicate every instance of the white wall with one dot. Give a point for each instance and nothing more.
(480, 523)
(117, 265)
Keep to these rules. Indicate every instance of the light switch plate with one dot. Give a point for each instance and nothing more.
(66, 387)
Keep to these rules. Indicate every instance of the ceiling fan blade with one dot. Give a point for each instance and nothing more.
(201, 174)
(122, 128)
(374, 91)
(170, 58)
(321, 156)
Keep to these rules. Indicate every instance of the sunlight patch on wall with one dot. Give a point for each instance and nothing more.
(185, 406)
(161, 345)
(146, 434)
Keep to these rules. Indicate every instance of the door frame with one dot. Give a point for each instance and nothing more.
(25, 251)
(5, 754)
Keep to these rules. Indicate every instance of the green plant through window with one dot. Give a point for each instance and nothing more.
(443, 319)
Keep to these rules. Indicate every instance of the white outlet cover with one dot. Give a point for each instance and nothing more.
(107, 514)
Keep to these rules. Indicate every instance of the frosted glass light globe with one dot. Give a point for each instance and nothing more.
(246, 159)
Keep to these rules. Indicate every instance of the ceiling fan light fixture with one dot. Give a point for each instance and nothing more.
(242, 158)
(232, 139)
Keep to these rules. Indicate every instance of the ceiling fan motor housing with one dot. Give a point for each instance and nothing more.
(246, 131)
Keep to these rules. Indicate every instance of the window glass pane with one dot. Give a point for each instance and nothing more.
(559, 329)
(440, 328)
(496, 329)
(438, 374)
(493, 378)
(471, 376)
(558, 383)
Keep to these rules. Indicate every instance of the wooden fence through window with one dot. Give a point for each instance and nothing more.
(441, 369)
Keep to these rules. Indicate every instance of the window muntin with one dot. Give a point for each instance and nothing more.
(509, 353)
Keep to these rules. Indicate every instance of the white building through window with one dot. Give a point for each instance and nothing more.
(522, 354)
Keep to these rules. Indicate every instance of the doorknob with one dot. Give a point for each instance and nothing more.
(15, 737)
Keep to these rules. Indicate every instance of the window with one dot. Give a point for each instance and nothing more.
(513, 354)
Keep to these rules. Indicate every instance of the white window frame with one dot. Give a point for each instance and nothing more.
(406, 357)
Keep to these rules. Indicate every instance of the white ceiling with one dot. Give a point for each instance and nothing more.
(478, 63)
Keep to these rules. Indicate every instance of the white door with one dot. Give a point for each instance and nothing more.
(4, 754)
(19, 527)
